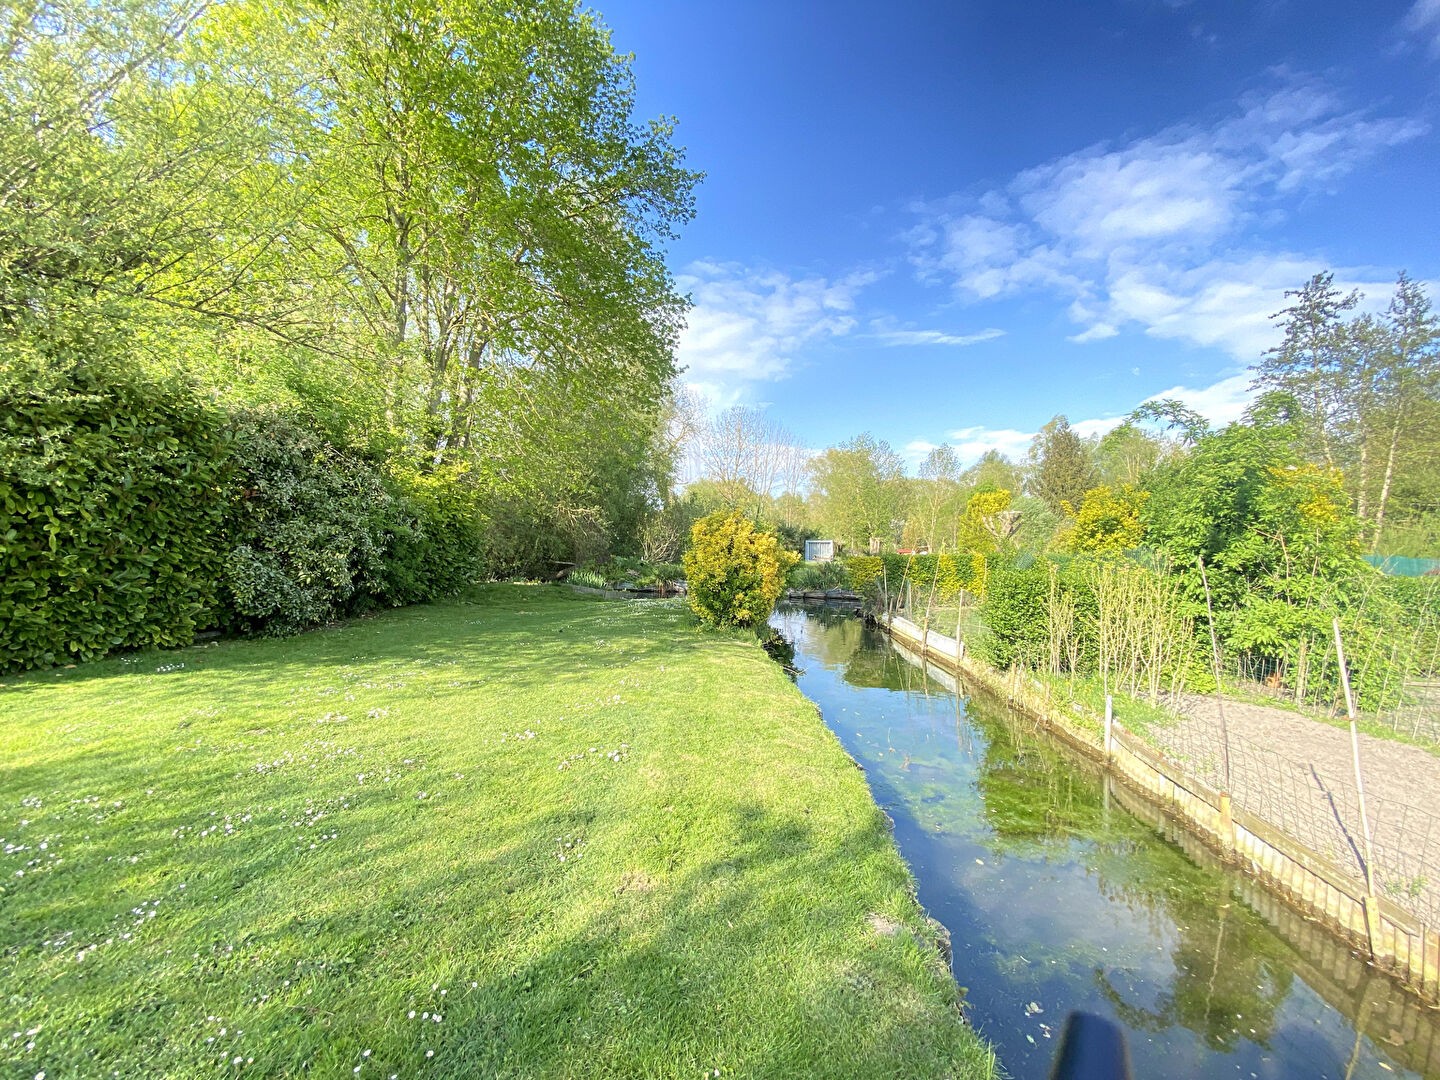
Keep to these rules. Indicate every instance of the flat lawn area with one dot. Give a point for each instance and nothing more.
(530, 834)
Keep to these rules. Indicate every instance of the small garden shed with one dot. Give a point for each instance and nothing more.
(819, 550)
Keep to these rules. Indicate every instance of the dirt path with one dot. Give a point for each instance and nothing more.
(1297, 773)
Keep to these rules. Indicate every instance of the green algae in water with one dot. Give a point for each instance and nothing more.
(1058, 896)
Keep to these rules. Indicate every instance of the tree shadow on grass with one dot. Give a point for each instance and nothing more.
(759, 961)
(758, 964)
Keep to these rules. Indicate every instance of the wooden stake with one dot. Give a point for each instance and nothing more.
(1227, 823)
(1215, 659)
(1359, 777)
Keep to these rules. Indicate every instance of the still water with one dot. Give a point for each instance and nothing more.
(1058, 897)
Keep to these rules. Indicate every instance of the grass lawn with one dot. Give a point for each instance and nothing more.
(528, 835)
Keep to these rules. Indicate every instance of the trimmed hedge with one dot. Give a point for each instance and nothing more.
(134, 514)
(947, 574)
(111, 513)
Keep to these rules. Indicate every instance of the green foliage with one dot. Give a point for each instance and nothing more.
(988, 523)
(1014, 612)
(626, 569)
(584, 575)
(818, 576)
(932, 578)
(264, 198)
(859, 490)
(110, 513)
(863, 574)
(1108, 520)
(662, 575)
(734, 572)
(1263, 520)
(1062, 466)
(940, 576)
(437, 544)
(792, 535)
(309, 530)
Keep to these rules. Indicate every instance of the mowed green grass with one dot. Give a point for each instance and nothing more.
(527, 835)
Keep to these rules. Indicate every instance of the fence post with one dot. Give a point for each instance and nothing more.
(1372, 913)
(1109, 728)
(1227, 824)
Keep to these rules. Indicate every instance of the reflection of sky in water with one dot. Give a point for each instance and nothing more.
(1058, 899)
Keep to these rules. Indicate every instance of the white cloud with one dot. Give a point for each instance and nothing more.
(748, 326)
(1423, 20)
(1152, 190)
(1097, 332)
(971, 443)
(885, 332)
(1222, 402)
(1146, 233)
(1098, 427)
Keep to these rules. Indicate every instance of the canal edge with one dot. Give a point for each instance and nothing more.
(1395, 941)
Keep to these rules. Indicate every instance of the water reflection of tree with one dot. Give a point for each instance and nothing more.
(829, 634)
(1231, 973)
(1036, 799)
(781, 649)
(878, 669)
(1229, 982)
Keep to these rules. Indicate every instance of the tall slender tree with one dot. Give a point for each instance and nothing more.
(1062, 468)
(1316, 362)
(1407, 376)
(860, 492)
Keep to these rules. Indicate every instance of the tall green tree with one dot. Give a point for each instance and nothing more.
(1405, 378)
(1362, 383)
(1062, 467)
(859, 490)
(994, 472)
(1316, 361)
(1268, 524)
(436, 230)
(937, 502)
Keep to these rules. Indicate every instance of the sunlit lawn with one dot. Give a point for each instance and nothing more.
(529, 835)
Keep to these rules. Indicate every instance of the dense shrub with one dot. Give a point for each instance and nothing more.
(817, 577)
(110, 513)
(437, 546)
(1108, 520)
(1015, 615)
(864, 574)
(309, 528)
(133, 514)
(735, 573)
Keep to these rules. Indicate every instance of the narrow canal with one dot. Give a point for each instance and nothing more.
(1063, 891)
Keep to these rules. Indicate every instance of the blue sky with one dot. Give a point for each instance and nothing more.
(947, 222)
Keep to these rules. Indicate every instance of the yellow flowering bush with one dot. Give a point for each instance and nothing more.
(734, 572)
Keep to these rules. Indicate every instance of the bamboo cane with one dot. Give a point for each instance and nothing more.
(1215, 657)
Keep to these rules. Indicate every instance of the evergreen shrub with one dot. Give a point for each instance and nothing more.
(734, 572)
(437, 543)
(111, 512)
(309, 528)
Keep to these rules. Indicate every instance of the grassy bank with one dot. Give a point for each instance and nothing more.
(529, 835)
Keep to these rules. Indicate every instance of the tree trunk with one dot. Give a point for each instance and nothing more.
(1361, 487)
(1389, 478)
